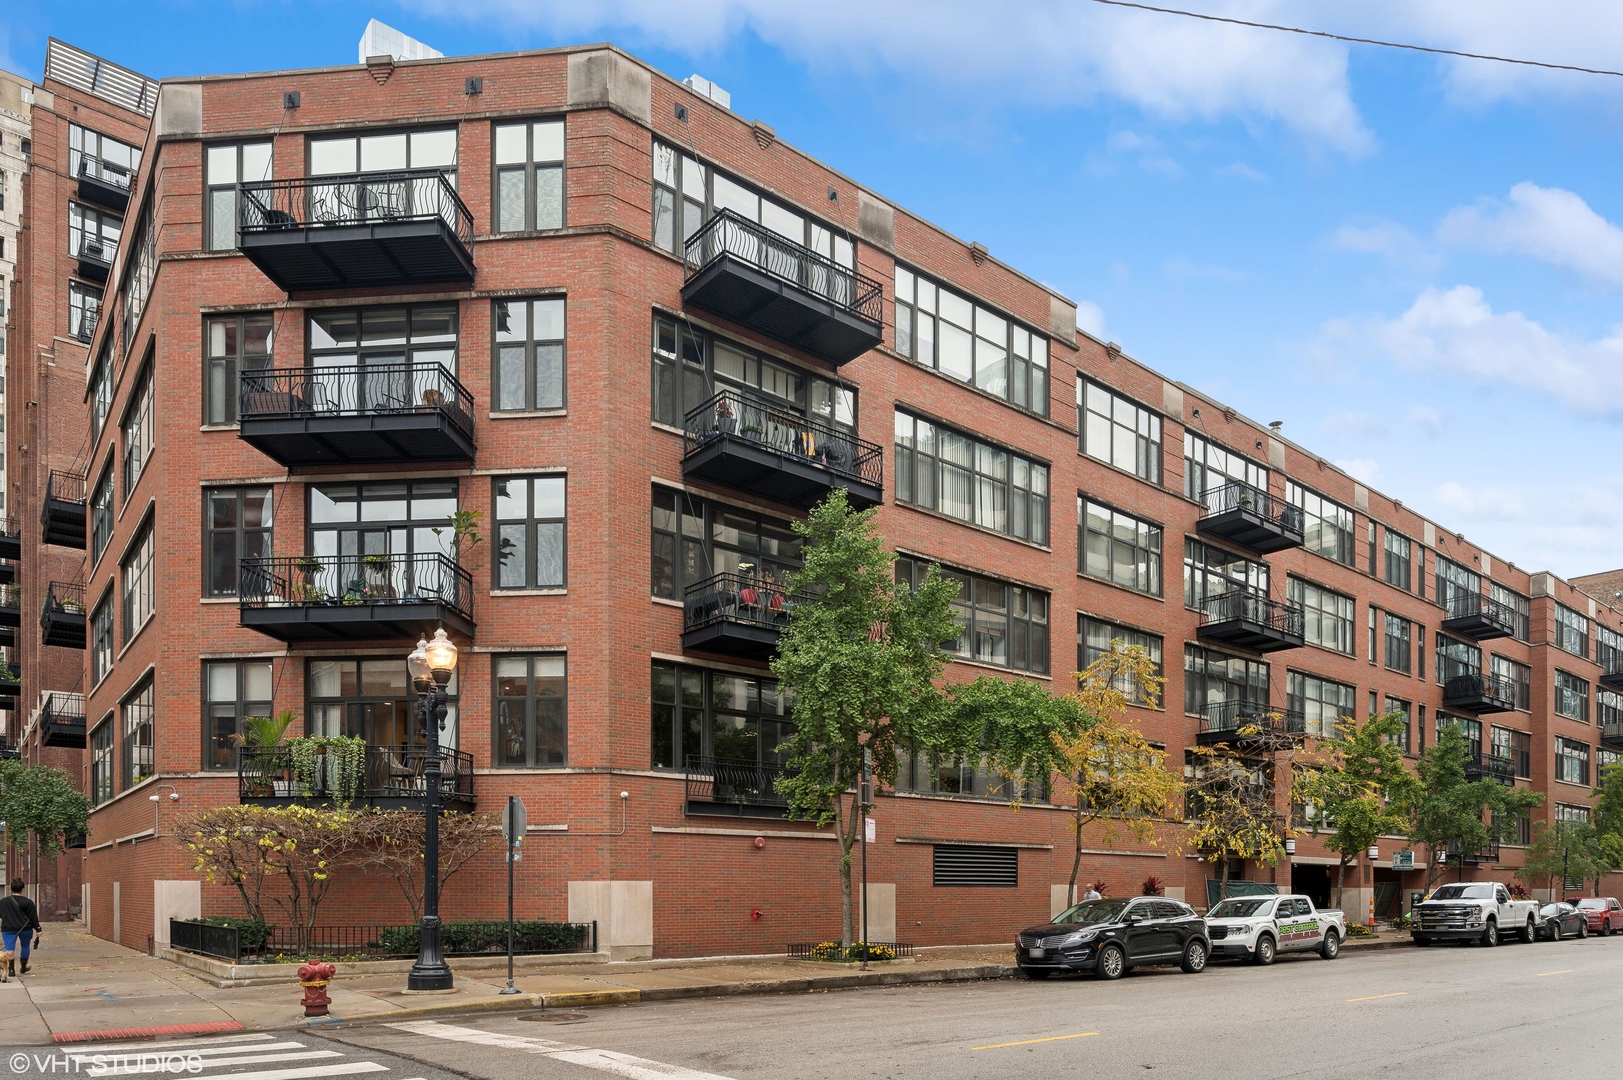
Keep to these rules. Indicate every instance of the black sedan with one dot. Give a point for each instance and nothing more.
(1562, 920)
(1111, 937)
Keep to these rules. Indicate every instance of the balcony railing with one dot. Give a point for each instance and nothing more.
(88, 320)
(725, 786)
(96, 258)
(1478, 616)
(1479, 692)
(1611, 733)
(354, 597)
(757, 278)
(393, 777)
(1249, 516)
(1612, 679)
(11, 613)
(104, 182)
(1489, 852)
(740, 614)
(62, 719)
(752, 445)
(377, 413)
(11, 539)
(1242, 721)
(357, 229)
(62, 618)
(1252, 621)
(1487, 765)
(62, 514)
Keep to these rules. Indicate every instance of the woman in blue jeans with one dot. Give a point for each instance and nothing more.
(19, 924)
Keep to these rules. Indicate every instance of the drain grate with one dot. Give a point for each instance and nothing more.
(553, 1017)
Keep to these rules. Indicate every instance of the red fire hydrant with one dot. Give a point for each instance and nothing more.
(314, 978)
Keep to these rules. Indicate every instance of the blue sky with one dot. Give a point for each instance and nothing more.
(1414, 262)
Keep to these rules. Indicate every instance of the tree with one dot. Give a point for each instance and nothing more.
(1358, 786)
(232, 844)
(1609, 819)
(1569, 850)
(1229, 802)
(394, 840)
(1446, 810)
(1116, 776)
(39, 801)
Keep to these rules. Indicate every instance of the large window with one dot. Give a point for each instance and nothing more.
(1118, 547)
(1518, 675)
(1327, 527)
(376, 343)
(940, 469)
(1327, 616)
(90, 153)
(84, 308)
(694, 539)
(1571, 696)
(960, 338)
(1571, 761)
(1096, 639)
(136, 713)
(1519, 606)
(1118, 430)
(139, 591)
(1212, 678)
(228, 166)
(1571, 631)
(529, 354)
(101, 392)
(372, 700)
(1609, 711)
(1398, 649)
(236, 343)
(967, 778)
(699, 714)
(236, 526)
(1321, 702)
(400, 518)
(1455, 657)
(530, 532)
(689, 366)
(530, 176)
(138, 428)
(1398, 705)
(142, 267)
(1208, 466)
(433, 148)
(1397, 560)
(1210, 571)
(1457, 584)
(93, 232)
(101, 641)
(998, 623)
(532, 716)
(101, 763)
(234, 691)
(1608, 648)
(101, 513)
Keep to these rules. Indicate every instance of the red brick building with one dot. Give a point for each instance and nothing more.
(638, 335)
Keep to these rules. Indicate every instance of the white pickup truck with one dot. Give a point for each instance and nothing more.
(1473, 911)
(1262, 927)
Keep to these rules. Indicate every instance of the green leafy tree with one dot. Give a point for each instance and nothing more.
(1229, 801)
(1358, 787)
(39, 801)
(1446, 811)
(1609, 819)
(1562, 851)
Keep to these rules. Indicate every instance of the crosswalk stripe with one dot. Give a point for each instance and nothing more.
(201, 1051)
(343, 1068)
(609, 1061)
(133, 1064)
(216, 1040)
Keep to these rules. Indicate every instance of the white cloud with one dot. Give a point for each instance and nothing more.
(1480, 504)
(1387, 239)
(1090, 318)
(1363, 470)
(1427, 420)
(1548, 224)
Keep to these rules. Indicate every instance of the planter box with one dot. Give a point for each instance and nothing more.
(224, 975)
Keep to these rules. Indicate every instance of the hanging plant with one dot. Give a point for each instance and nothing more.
(346, 757)
(305, 752)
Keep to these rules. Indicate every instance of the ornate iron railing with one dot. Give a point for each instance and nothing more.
(313, 202)
(349, 580)
(1244, 606)
(1463, 691)
(1469, 605)
(754, 599)
(370, 390)
(735, 782)
(391, 772)
(1250, 717)
(733, 414)
(728, 233)
(1238, 495)
(1486, 763)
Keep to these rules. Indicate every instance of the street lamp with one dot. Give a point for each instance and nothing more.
(431, 665)
(1374, 852)
(1290, 845)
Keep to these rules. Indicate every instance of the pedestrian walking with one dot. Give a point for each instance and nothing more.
(19, 925)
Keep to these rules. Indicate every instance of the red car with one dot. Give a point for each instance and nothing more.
(1604, 912)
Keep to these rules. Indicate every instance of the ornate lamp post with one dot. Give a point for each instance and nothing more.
(431, 665)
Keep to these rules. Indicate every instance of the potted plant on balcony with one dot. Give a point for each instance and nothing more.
(260, 734)
(378, 567)
(726, 422)
(10, 682)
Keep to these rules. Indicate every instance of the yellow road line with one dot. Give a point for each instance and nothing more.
(1374, 997)
(1028, 1042)
(1563, 971)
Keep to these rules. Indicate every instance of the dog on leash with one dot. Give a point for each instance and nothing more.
(6, 956)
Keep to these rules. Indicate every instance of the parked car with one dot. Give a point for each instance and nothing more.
(1111, 937)
(1560, 920)
(1605, 914)
(1473, 911)
(1261, 927)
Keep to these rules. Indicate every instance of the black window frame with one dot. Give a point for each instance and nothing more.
(1608, 648)
(1406, 708)
(1517, 673)
(1201, 573)
(138, 428)
(1454, 581)
(1399, 643)
(104, 226)
(1147, 459)
(1345, 543)
(1571, 750)
(137, 574)
(137, 727)
(101, 508)
(1199, 452)
(241, 707)
(975, 610)
(83, 298)
(1154, 562)
(1025, 504)
(1087, 652)
(223, 365)
(1303, 689)
(534, 701)
(1197, 681)
(1571, 632)
(681, 547)
(1027, 384)
(344, 707)
(102, 649)
(679, 709)
(532, 168)
(533, 525)
(1298, 591)
(239, 532)
(103, 744)
(220, 196)
(1570, 689)
(533, 347)
(1520, 607)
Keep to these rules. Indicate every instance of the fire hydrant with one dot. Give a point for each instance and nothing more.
(314, 978)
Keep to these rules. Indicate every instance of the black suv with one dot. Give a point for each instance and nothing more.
(1110, 937)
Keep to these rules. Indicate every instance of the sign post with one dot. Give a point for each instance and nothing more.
(865, 797)
(514, 822)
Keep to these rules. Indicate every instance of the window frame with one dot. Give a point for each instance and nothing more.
(1518, 674)
(1146, 457)
(102, 636)
(211, 187)
(229, 366)
(706, 513)
(1197, 680)
(240, 705)
(103, 760)
(239, 531)
(1199, 568)
(1299, 495)
(980, 488)
(533, 700)
(138, 428)
(1520, 606)
(137, 711)
(532, 524)
(1312, 599)
(706, 712)
(1397, 571)
(103, 516)
(1406, 637)
(1303, 688)
(1027, 359)
(1087, 653)
(408, 131)
(1019, 632)
(1154, 562)
(1568, 751)
(530, 167)
(138, 594)
(1573, 631)
(532, 346)
(1568, 689)
(1198, 451)
(83, 298)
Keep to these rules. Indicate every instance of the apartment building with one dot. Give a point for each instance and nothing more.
(16, 101)
(639, 335)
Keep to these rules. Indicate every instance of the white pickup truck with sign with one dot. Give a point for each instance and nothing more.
(1259, 928)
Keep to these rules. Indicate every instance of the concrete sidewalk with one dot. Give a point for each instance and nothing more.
(82, 988)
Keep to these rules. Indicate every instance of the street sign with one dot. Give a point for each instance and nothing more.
(1403, 860)
(514, 821)
(871, 830)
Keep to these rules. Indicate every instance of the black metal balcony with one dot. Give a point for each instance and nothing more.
(11, 539)
(87, 326)
(1474, 615)
(737, 614)
(730, 788)
(1486, 765)
(104, 183)
(1489, 852)
(7, 751)
(1241, 722)
(775, 453)
(376, 414)
(1250, 517)
(393, 778)
(62, 514)
(358, 230)
(96, 259)
(1611, 734)
(1612, 680)
(1251, 621)
(759, 279)
(355, 598)
(62, 618)
(11, 682)
(1479, 693)
(11, 612)
(62, 720)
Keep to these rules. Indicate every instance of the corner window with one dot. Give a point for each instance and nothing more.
(942, 330)
(1571, 761)
(529, 176)
(1118, 548)
(138, 431)
(234, 692)
(138, 585)
(228, 166)
(1608, 648)
(1118, 431)
(959, 476)
(101, 763)
(1571, 631)
(531, 710)
(530, 542)
(101, 514)
(1328, 616)
(1571, 697)
(529, 354)
(237, 526)
(236, 343)
(137, 723)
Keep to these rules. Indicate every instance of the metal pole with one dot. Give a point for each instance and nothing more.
(431, 972)
(512, 850)
(864, 796)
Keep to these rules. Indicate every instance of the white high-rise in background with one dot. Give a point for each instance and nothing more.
(380, 39)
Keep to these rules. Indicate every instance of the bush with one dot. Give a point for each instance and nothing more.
(488, 937)
(252, 933)
(859, 950)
